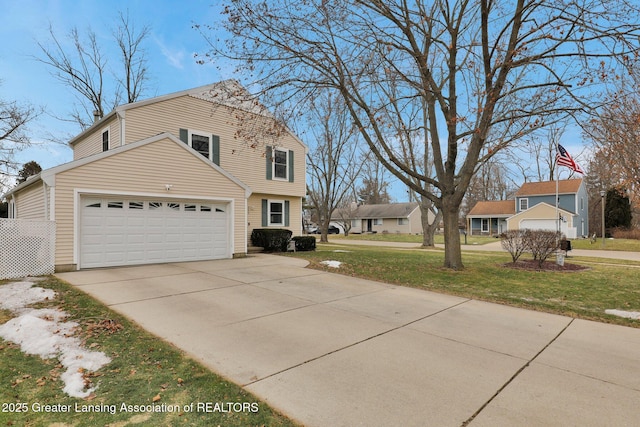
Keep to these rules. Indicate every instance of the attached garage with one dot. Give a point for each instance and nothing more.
(117, 231)
(538, 224)
(542, 216)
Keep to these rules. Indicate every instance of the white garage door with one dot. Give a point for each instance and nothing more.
(119, 231)
(543, 224)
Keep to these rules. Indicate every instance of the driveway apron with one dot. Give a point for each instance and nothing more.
(332, 350)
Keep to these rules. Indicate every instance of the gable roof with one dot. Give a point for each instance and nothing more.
(387, 210)
(48, 175)
(495, 208)
(227, 92)
(565, 186)
(542, 207)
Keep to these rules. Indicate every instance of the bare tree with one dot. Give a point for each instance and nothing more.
(487, 73)
(334, 163)
(14, 119)
(84, 68)
(374, 188)
(615, 133)
(133, 57)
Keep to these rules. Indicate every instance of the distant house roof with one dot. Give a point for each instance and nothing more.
(389, 210)
(497, 208)
(565, 186)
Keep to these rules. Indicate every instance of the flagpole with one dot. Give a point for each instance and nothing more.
(557, 196)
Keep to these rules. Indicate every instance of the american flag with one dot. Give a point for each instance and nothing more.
(564, 159)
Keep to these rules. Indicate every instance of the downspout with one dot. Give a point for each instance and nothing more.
(46, 200)
(121, 119)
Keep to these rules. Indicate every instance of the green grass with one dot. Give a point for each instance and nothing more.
(143, 367)
(409, 238)
(631, 245)
(585, 294)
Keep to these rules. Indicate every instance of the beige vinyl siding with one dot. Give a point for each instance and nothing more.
(146, 169)
(236, 155)
(92, 142)
(254, 214)
(535, 212)
(30, 203)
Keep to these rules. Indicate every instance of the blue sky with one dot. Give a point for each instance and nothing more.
(170, 47)
(169, 50)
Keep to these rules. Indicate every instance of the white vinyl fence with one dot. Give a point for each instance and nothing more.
(26, 248)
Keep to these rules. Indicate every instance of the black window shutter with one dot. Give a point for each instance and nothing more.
(184, 136)
(268, 155)
(215, 147)
(286, 213)
(265, 213)
(290, 165)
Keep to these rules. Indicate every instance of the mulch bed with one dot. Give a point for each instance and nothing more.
(532, 265)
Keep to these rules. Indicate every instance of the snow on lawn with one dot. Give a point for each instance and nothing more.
(43, 332)
(332, 264)
(627, 314)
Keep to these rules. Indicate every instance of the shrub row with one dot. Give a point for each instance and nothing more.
(540, 243)
(626, 233)
(277, 240)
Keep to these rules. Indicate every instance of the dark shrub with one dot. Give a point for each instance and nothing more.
(305, 243)
(514, 242)
(271, 239)
(542, 243)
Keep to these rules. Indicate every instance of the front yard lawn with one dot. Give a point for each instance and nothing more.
(144, 371)
(409, 238)
(585, 294)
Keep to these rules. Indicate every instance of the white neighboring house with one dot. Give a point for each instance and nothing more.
(402, 218)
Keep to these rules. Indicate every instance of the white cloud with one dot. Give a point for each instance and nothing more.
(175, 57)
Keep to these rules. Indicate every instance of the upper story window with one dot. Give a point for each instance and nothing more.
(524, 204)
(105, 139)
(203, 142)
(280, 164)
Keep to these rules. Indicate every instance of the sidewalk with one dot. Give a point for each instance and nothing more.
(495, 247)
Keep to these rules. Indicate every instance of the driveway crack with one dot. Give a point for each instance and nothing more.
(515, 375)
(356, 343)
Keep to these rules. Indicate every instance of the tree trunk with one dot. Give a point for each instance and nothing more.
(452, 250)
(324, 230)
(428, 229)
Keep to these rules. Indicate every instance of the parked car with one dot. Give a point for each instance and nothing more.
(332, 230)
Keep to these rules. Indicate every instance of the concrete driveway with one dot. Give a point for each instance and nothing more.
(331, 350)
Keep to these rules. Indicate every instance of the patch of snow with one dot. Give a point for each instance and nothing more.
(332, 264)
(17, 295)
(626, 314)
(342, 250)
(42, 332)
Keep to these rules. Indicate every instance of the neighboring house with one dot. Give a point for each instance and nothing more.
(168, 179)
(535, 208)
(383, 218)
(490, 217)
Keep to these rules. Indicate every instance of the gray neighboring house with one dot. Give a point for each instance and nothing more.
(401, 218)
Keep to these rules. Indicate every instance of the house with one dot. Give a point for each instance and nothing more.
(169, 179)
(534, 207)
(490, 217)
(382, 218)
